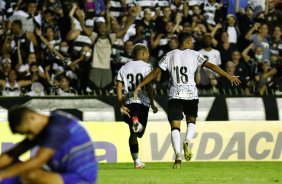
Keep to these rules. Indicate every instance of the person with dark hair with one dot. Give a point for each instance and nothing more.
(182, 64)
(135, 111)
(26, 39)
(12, 87)
(64, 146)
(49, 21)
(260, 38)
(29, 19)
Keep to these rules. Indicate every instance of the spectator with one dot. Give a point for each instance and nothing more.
(53, 5)
(232, 29)
(101, 74)
(224, 85)
(50, 36)
(127, 55)
(273, 17)
(27, 40)
(81, 29)
(254, 64)
(139, 37)
(40, 85)
(245, 23)
(149, 26)
(257, 5)
(224, 47)
(11, 87)
(117, 7)
(163, 39)
(241, 68)
(259, 39)
(264, 78)
(212, 12)
(95, 8)
(65, 88)
(162, 20)
(49, 21)
(29, 19)
(196, 24)
(6, 67)
(212, 54)
(276, 43)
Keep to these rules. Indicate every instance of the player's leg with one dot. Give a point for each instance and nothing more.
(136, 110)
(134, 150)
(191, 112)
(175, 116)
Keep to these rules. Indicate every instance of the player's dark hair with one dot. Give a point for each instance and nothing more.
(182, 36)
(138, 48)
(16, 114)
(18, 23)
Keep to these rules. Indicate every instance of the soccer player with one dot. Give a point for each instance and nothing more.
(64, 146)
(183, 97)
(135, 111)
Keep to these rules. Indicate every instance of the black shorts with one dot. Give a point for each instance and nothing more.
(177, 106)
(139, 110)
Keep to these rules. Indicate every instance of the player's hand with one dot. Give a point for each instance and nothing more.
(136, 92)
(125, 111)
(234, 80)
(155, 109)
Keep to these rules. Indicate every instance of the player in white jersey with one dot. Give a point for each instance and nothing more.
(183, 96)
(135, 111)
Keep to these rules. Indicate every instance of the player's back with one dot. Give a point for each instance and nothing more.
(182, 65)
(133, 73)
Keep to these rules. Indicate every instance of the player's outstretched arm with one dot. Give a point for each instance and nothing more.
(148, 79)
(150, 93)
(124, 110)
(233, 79)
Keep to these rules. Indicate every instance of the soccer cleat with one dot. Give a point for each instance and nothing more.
(139, 165)
(177, 162)
(135, 122)
(187, 150)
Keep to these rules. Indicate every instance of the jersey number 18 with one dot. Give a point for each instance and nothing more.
(182, 72)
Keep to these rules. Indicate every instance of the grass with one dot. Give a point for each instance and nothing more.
(192, 172)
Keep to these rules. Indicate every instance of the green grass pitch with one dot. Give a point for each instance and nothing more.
(191, 172)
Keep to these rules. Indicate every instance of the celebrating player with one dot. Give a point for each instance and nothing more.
(135, 111)
(64, 146)
(183, 96)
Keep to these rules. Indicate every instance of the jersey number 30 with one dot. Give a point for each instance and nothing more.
(182, 72)
(134, 80)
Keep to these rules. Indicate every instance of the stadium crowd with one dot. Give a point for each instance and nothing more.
(76, 47)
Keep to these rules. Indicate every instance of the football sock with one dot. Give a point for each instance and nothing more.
(175, 139)
(134, 152)
(140, 127)
(190, 130)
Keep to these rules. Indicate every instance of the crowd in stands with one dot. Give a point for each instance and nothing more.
(76, 47)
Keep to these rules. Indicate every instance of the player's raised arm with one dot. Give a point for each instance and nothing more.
(148, 79)
(233, 79)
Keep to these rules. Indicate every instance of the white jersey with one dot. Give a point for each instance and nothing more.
(11, 90)
(131, 74)
(182, 65)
